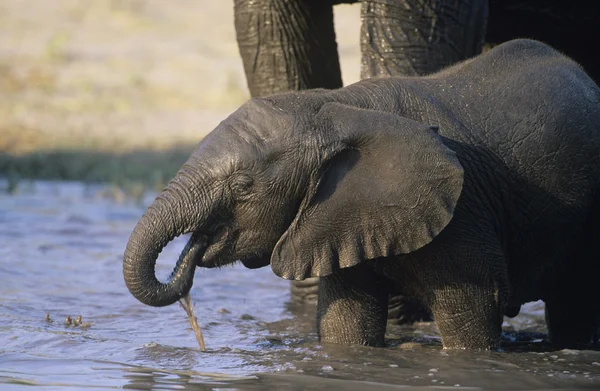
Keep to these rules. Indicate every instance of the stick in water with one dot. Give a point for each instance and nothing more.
(186, 304)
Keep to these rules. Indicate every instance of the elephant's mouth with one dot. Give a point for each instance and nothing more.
(222, 248)
(215, 245)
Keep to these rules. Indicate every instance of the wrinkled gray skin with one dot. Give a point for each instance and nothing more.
(290, 45)
(475, 189)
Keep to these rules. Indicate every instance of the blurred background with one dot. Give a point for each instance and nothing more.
(121, 90)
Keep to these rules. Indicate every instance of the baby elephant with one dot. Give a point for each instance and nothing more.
(474, 190)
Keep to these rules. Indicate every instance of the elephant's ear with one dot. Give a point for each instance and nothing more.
(386, 185)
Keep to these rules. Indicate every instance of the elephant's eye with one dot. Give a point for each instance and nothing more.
(241, 185)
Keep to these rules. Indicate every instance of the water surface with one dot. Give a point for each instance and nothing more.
(61, 247)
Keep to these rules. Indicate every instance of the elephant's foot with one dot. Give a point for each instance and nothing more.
(352, 307)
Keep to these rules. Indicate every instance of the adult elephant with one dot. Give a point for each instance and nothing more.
(290, 45)
(495, 205)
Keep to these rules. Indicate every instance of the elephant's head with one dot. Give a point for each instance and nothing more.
(307, 187)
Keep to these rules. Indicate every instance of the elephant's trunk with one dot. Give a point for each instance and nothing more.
(164, 220)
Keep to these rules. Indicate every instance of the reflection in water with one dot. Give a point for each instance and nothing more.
(61, 247)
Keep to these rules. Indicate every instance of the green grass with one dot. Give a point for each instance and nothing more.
(133, 172)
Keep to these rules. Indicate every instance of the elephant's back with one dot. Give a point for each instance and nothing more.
(538, 113)
(533, 108)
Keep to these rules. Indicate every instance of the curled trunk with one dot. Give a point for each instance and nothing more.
(161, 223)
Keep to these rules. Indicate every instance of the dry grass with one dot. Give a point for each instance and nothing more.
(81, 81)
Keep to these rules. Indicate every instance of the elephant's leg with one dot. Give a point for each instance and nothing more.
(417, 37)
(468, 315)
(287, 45)
(352, 307)
(466, 274)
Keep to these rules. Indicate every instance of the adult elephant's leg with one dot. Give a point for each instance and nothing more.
(287, 45)
(353, 307)
(468, 315)
(417, 37)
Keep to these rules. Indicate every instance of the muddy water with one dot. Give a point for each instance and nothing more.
(61, 248)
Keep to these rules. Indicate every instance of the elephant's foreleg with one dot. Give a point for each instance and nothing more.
(353, 307)
(417, 37)
(287, 45)
(468, 316)
(466, 276)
